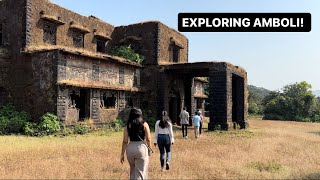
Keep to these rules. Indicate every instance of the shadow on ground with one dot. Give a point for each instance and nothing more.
(316, 133)
(312, 176)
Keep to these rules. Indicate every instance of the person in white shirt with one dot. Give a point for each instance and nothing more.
(163, 136)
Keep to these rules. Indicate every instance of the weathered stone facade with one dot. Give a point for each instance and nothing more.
(58, 61)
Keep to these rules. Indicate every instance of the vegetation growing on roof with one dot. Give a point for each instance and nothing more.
(128, 53)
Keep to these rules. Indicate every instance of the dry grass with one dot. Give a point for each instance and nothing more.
(268, 150)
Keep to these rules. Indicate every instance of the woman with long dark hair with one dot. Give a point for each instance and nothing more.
(163, 136)
(136, 132)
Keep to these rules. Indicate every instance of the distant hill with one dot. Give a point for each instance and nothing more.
(317, 92)
(260, 92)
(256, 96)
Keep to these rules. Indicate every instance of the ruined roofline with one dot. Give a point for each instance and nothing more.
(152, 22)
(91, 17)
(99, 85)
(133, 24)
(224, 63)
(79, 52)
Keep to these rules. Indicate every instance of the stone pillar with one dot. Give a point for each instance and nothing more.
(246, 95)
(95, 105)
(189, 99)
(95, 70)
(62, 103)
(61, 69)
(219, 99)
(122, 100)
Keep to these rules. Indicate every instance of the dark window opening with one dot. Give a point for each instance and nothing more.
(174, 53)
(81, 101)
(199, 103)
(102, 45)
(136, 46)
(121, 75)
(78, 39)
(49, 33)
(74, 99)
(129, 102)
(109, 101)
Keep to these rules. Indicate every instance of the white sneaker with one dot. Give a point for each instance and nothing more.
(186, 137)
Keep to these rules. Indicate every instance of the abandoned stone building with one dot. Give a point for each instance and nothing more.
(55, 60)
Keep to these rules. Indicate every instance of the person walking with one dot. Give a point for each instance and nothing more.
(196, 123)
(135, 133)
(163, 136)
(201, 122)
(184, 121)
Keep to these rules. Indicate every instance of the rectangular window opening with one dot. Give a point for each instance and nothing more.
(78, 39)
(199, 103)
(109, 100)
(174, 52)
(129, 101)
(49, 33)
(102, 45)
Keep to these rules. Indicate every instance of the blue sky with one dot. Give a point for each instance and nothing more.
(272, 60)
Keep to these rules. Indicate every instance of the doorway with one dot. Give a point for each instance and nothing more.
(174, 109)
(237, 101)
(84, 104)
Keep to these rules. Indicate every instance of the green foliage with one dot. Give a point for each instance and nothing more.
(31, 129)
(12, 121)
(256, 96)
(117, 125)
(7, 111)
(259, 92)
(254, 108)
(149, 117)
(295, 102)
(128, 53)
(81, 128)
(49, 124)
(217, 128)
(65, 131)
(4, 121)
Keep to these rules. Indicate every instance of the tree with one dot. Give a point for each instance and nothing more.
(295, 102)
(256, 96)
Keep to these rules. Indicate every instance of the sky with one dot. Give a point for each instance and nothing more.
(271, 59)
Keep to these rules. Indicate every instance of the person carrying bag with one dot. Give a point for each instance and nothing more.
(135, 134)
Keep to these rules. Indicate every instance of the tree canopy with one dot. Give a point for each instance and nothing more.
(295, 102)
(256, 96)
